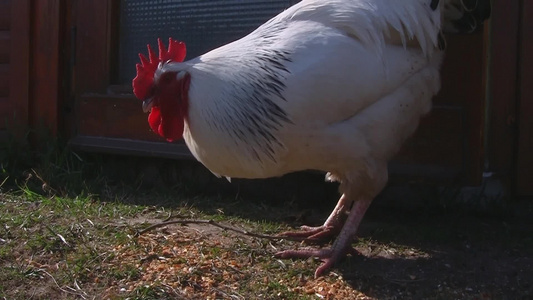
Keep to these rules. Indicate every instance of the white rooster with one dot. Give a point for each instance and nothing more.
(329, 85)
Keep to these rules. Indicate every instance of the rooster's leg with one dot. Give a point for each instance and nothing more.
(331, 227)
(342, 245)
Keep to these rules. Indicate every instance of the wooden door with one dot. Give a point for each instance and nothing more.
(14, 66)
(108, 118)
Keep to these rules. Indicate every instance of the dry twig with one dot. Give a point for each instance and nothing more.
(73, 292)
(222, 226)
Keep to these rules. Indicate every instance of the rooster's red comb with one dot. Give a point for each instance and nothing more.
(142, 83)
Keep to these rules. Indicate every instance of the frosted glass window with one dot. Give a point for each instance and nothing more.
(202, 24)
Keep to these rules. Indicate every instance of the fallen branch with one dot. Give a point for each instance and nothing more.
(222, 226)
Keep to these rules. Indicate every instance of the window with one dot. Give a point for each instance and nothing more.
(202, 25)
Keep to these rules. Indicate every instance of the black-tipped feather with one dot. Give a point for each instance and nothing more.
(434, 4)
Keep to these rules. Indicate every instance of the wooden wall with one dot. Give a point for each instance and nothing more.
(36, 89)
(5, 35)
(524, 177)
(14, 66)
(47, 69)
(510, 138)
(32, 56)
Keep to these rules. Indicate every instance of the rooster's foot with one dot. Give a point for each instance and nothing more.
(342, 245)
(329, 256)
(319, 234)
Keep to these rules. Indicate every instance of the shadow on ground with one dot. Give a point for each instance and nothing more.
(457, 256)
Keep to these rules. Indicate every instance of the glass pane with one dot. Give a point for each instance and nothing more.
(203, 25)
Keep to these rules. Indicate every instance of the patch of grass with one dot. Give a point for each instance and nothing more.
(69, 228)
(276, 290)
(125, 272)
(149, 292)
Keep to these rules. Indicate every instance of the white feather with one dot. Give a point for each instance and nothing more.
(360, 76)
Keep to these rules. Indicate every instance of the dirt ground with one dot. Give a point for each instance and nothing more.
(403, 255)
(412, 248)
(415, 245)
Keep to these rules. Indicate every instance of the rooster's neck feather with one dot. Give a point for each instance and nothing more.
(248, 105)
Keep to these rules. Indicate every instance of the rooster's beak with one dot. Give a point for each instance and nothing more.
(147, 105)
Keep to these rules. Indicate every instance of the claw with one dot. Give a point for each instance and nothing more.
(329, 256)
(314, 235)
